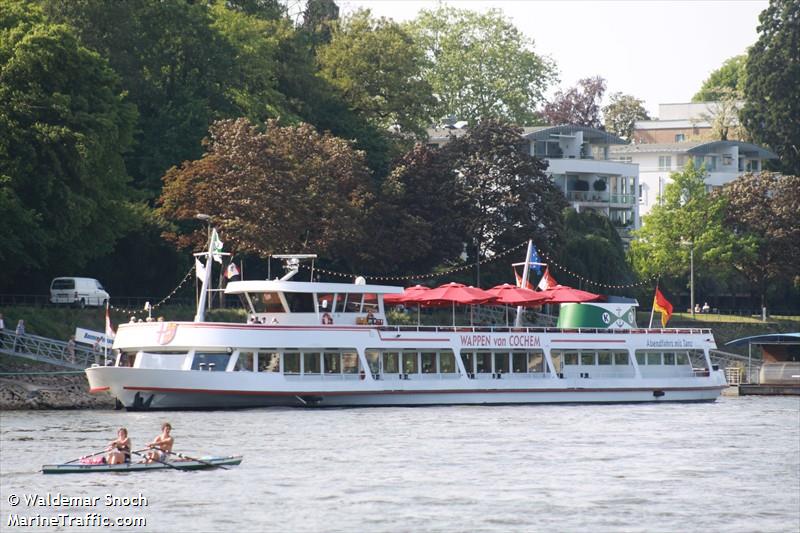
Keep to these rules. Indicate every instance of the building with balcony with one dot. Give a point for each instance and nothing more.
(690, 121)
(723, 160)
(579, 163)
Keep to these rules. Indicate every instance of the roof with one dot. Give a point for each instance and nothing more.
(239, 287)
(670, 124)
(771, 338)
(695, 148)
(591, 135)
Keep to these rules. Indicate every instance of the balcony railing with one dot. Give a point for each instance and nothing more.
(602, 197)
(627, 199)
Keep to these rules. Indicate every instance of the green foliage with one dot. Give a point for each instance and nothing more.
(377, 67)
(64, 125)
(772, 108)
(592, 249)
(686, 218)
(730, 77)
(621, 114)
(481, 65)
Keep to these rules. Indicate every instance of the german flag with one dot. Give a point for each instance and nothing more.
(662, 305)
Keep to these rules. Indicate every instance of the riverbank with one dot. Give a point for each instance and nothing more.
(28, 384)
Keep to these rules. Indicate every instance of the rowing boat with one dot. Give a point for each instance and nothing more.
(192, 464)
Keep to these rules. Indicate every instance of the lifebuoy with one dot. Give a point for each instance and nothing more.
(327, 319)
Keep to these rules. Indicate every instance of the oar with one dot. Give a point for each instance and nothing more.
(86, 456)
(156, 460)
(194, 459)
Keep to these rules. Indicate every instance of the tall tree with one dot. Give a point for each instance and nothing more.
(288, 189)
(728, 78)
(577, 105)
(621, 114)
(763, 213)
(377, 67)
(482, 66)
(772, 109)
(65, 124)
(688, 219)
(508, 196)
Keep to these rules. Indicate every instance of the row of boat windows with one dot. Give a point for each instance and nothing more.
(307, 302)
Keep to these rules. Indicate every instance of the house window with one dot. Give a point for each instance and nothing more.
(680, 137)
(681, 161)
(641, 193)
(664, 162)
(727, 159)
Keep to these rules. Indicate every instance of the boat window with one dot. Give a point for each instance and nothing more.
(653, 358)
(536, 361)
(519, 362)
(267, 302)
(587, 359)
(621, 358)
(428, 363)
(570, 358)
(373, 360)
(291, 363)
(604, 357)
(352, 302)
(300, 302)
(483, 363)
(447, 362)
(311, 363)
(245, 362)
(350, 363)
(682, 358)
(555, 355)
(167, 360)
(640, 357)
(669, 358)
(391, 362)
(410, 365)
(370, 303)
(326, 303)
(333, 363)
(468, 358)
(501, 363)
(216, 362)
(268, 362)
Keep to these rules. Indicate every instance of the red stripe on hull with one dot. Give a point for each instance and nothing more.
(98, 389)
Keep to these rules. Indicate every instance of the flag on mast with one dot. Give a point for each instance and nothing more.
(232, 271)
(216, 246)
(534, 258)
(528, 284)
(109, 330)
(199, 269)
(662, 305)
(547, 282)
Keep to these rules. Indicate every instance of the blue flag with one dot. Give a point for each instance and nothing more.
(535, 259)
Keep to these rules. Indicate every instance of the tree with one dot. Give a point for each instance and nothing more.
(577, 105)
(65, 124)
(687, 219)
(287, 189)
(621, 114)
(763, 213)
(508, 197)
(481, 65)
(377, 67)
(772, 109)
(728, 78)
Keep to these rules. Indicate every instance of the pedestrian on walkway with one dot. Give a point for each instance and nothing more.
(70, 349)
(19, 332)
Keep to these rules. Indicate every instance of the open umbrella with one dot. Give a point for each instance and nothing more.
(508, 294)
(408, 296)
(561, 294)
(454, 293)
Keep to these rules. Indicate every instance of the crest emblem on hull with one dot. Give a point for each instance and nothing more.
(167, 332)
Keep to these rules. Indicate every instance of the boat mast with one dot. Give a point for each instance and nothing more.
(525, 273)
(200, 315)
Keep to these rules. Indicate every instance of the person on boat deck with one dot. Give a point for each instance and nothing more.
(120, 448)
(161, 445)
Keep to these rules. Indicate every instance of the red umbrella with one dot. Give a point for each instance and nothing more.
(407, 296)
(561, 294)
(512, 295)
(455, 293)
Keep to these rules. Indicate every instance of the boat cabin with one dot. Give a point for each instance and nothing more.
(299, 303)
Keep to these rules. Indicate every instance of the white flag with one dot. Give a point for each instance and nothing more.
(199, 269)
(216, 246)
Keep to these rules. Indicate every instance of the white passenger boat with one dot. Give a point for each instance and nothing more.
(329, 345)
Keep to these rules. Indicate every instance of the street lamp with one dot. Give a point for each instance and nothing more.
(206, 219)
(691, 274)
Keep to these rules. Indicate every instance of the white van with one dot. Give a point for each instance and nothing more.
(77, 291)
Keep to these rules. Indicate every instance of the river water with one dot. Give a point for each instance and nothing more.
(733, 465)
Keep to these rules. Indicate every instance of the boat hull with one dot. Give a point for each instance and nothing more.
(203, 464)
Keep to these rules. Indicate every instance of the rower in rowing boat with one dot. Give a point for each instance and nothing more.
(161, 445)
(120, 449)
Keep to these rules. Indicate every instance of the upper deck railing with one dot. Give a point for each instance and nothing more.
(511, 329)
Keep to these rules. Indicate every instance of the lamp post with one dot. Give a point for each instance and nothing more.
(691, 274)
